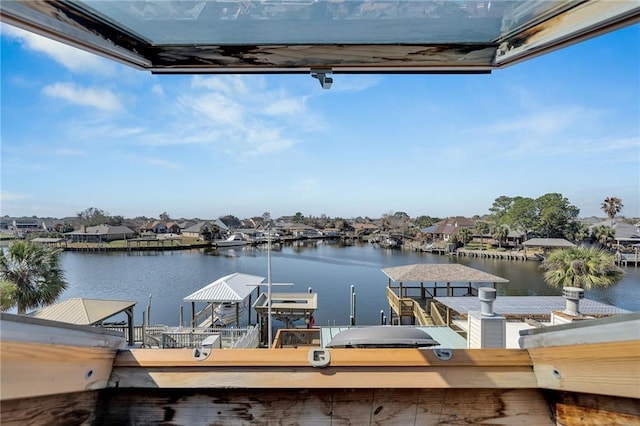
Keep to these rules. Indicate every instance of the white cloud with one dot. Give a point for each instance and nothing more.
(70, 152)
(71, 58)
(241, 116)
(354, 83)
(162, 163)
(101, 99)
(229, 85)
(157, 90)
(12, 196)
(305, 187)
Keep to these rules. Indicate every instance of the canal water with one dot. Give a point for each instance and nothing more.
(330, 269)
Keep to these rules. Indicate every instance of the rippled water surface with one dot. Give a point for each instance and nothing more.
(329, 269)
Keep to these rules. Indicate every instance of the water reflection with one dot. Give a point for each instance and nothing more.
(329, 269)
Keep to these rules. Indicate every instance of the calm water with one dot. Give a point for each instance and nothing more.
(329, 269)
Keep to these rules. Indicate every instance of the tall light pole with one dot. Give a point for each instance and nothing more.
(269, 325)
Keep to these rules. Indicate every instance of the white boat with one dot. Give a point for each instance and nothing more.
(234, 240)
(227, 313)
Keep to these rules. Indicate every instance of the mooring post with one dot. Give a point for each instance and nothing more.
(353, 306)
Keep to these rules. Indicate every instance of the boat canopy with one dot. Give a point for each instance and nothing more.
(231, 288)
(320, 37)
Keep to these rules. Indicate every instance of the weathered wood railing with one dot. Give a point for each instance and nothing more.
(407, 307)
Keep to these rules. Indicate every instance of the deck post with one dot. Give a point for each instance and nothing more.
(129, 312)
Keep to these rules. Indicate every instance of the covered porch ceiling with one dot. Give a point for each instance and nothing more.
(320, 37)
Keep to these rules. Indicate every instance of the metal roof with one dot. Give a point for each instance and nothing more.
(320, 36)
(440, 272)
(548, 242)
(230, 288)
(82, 311)
(529, 305)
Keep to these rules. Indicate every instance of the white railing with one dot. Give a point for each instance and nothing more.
(191, 337)
(186, 337)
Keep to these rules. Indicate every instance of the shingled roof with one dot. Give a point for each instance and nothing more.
(438, 272)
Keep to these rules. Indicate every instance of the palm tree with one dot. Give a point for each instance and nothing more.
(500, 233)
(612, 206)
(464, 235)
(583, 267)
(481, 228)
(603, 234)
(30, 275)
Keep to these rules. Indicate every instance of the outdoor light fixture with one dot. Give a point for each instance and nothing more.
(321, 75)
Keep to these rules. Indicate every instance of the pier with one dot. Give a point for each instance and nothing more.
(495, 254)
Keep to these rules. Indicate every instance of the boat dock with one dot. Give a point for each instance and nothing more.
(628, 259)
(519, 308)
(494, 254)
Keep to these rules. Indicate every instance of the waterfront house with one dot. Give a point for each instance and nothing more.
(361, 229)
(625, 233)
(154, 226)
(447, 228)
(101, 234)
(194, 230)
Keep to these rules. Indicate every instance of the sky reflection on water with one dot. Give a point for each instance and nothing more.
(329, 269)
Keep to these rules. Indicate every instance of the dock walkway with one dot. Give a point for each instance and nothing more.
(526, 307)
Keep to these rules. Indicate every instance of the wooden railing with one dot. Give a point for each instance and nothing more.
(435, 315)
(408, 307)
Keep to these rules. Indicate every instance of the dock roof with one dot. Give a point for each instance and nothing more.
(82, 311)
(230, 288)
(440, 272)
(548, 242)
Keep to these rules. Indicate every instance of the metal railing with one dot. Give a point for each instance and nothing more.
(190, 337)
(181, 337)
(295, 337)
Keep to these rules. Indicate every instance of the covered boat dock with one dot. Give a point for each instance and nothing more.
(233, 288)
(82, 311)
(458, 280)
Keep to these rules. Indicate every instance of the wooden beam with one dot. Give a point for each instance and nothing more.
(611, 368)
(349, 368)
(297, 357)
(35, 369)
(62, 409)
(332, 406)
(326, 378)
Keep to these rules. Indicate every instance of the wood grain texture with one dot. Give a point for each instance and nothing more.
(50, 410)
(325, 407)
(297, 357)
(611, 368)
(349, 368)
(33, 369)
(332, 377)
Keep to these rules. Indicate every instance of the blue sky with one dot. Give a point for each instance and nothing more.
(80, 131)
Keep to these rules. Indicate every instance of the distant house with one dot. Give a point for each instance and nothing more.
(101, 234)
(447, 228)
(27, 223)
(173, 228)
(155, 226)
(364, 228)
(331, 232)
(194, 230)
(624, 232)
